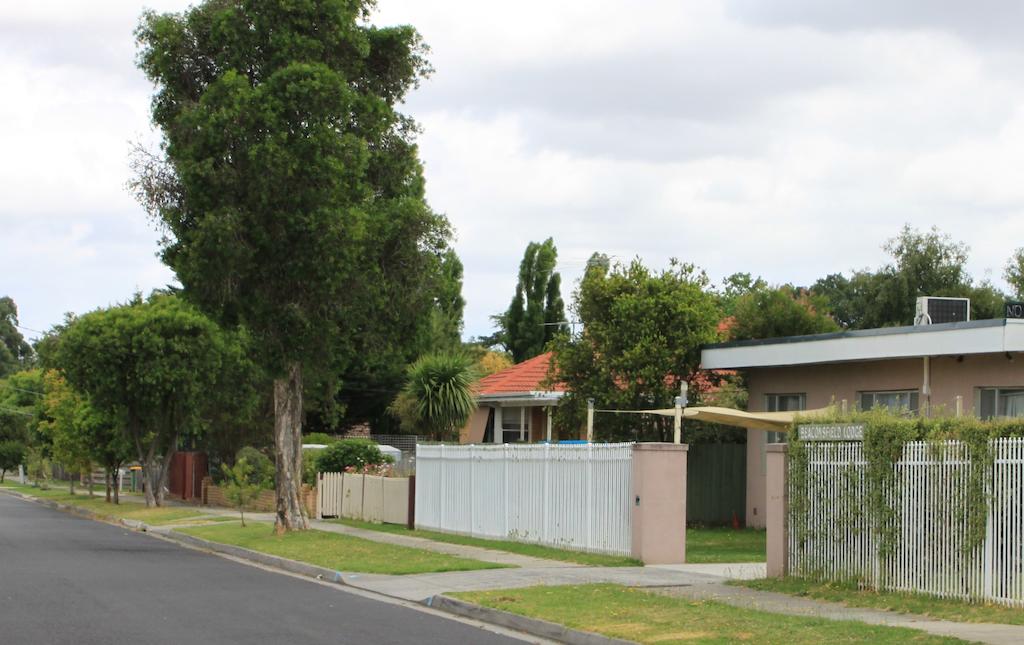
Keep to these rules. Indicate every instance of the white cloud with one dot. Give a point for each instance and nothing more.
(788, 139)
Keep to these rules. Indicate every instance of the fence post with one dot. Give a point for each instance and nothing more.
(319, 496)
(411, 523)
(659, 502)
(776, 510)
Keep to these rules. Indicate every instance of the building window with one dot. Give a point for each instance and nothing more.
(894, 400)
(783, 403)
(1000, 402)
(515, 424)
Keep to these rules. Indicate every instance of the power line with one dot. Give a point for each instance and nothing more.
(16, 411)
(29, 329)
(21, 389)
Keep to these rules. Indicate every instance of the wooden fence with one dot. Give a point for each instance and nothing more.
(834, 538)
(365, 497)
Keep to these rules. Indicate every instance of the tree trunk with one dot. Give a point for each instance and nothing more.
(165, 470)
(71, 485)
(288, 450)
(106, 481)
(117, 485)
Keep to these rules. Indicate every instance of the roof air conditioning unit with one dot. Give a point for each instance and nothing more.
(932, 311)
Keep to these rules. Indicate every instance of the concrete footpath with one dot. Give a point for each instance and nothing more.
(778, 603)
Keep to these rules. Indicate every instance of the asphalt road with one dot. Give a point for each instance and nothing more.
(65, 579)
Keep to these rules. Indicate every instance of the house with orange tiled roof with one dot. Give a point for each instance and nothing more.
(514, 405)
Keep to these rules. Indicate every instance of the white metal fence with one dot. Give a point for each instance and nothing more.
(569, 496)
(835, 538)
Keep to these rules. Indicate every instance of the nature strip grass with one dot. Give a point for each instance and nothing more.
(521, 548)
(336, 551)
(705, 545)
(905, 603)
(636, 615)
(129, 510)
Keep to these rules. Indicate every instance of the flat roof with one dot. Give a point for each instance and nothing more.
(945, 339)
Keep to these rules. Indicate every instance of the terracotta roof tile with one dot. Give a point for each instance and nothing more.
(522, 377)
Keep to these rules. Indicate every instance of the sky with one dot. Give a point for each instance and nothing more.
(784, 138)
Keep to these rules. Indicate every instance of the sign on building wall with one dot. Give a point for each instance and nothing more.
(1014, 309)
(831, 432)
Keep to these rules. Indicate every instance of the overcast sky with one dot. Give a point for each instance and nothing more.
(786, 138)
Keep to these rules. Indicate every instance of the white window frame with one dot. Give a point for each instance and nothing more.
(995, 403)
(520, 425)
(874, 394)
(771, 404)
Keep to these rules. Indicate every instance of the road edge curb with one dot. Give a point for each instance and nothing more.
(532, 626)
(277, 562)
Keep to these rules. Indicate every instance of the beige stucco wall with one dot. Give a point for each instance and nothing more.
(824, 384)
(474, 430)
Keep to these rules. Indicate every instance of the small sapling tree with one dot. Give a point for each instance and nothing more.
(240, 491)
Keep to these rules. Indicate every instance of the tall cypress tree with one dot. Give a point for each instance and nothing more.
(537, 311)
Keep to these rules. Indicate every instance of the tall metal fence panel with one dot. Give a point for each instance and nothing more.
(568, 496)
(716, 483)
(833, 536)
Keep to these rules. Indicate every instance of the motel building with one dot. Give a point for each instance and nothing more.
(934, 368)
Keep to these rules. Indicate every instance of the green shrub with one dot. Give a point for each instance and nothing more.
(261, 468)
(309, 466)
(350, 453)
(12, 455)
(319, 437)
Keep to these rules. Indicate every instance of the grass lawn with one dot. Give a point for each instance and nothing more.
(335, 551)
(522, 548)
(722, 544)
(636, 615)
(906, 603)
(127, 509)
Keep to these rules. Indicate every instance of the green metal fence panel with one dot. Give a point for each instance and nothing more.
(716, 483)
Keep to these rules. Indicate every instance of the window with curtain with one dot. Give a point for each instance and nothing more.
(894, 400)
(515, 424)
(1001, 402)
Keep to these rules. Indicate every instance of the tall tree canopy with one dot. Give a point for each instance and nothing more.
(154, 365)
(642, 333)
(291, 189)
(773, 312)
(15, 352)
(535, 315)
(927, 263)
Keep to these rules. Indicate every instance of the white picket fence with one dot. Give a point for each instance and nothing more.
(568, 496)
(834, 540)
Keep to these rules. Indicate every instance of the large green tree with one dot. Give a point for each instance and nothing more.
(772, 312)
(153, 364)
(642, 333)
(928, 263)
(15, 352)
(537, 313)
(290, 187)
(81, 435)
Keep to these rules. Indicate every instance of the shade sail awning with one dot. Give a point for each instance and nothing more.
(768, 421)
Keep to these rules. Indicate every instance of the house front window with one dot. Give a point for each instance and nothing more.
(515, 424)
(783, 403)
(893, 400)
(996, 402)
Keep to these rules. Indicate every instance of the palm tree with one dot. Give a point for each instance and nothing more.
(442, 385)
